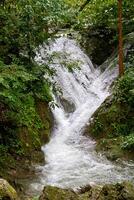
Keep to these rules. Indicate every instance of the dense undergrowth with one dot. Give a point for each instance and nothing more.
(124, 98)
(98, 23)
(24, 25)
(20, 91)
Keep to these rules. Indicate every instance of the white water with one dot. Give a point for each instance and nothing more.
(71, 160)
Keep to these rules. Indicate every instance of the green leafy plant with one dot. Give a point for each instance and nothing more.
(24, 25)
(98, 126)
(128, 142)
(124, 88)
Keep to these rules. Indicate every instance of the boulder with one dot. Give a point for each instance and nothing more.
(54, 193)
(7, 192)
(119, 191)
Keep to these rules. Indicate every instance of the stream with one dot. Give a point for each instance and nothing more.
(70, 157)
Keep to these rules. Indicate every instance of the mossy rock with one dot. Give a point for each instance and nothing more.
(91, 194)
(47, 121)
(32, 142)
(54, 193)
(110, 125)
(119, 191)
(7, 192)
(111, 148)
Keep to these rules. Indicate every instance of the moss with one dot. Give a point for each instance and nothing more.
(54, 193)
(47, 119)
(92, 194)
(31, 143)
(111, 148)
(119, 191)
(35, 198)
(16, 164)
(111, 125)
(7, 191)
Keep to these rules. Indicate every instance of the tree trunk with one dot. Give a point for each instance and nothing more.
(121, 66)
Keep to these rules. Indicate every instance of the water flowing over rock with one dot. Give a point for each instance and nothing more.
(71, 160)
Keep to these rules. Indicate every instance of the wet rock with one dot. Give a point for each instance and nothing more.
(85, 189)
(54, 193)
(68, 106)
(7, 192)
(92, 194)
(119, 191)
(47, 121)
(38, 157)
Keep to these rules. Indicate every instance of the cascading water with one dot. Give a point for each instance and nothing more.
(71, 160)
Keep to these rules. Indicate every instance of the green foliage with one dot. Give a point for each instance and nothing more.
(124, 95)
(115, 118)
(124, 92)
(18, 93)
(63, 58)
(98, 126)
(26, 24)
(104, 13)
(3, 153)
(121, 128)
(35, 198)
(128, 142)
(99, 19)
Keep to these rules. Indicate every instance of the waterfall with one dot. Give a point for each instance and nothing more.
(70, 157)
